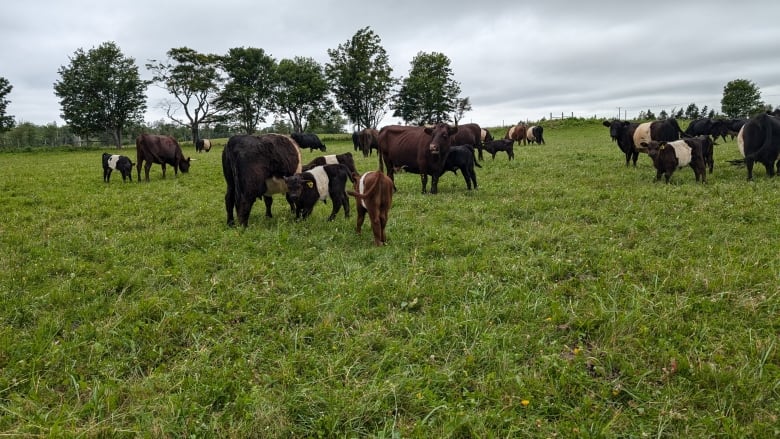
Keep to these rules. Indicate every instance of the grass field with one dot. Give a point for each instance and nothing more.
(569, 296)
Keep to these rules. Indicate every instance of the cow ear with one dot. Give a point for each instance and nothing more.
(428, 130)
(606, 123)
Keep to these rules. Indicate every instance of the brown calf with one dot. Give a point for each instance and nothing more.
(373, 194)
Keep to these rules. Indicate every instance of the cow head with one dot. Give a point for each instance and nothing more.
(184, 165)
(294, 185)
(440, 137)
(616, 128)
(652, 148)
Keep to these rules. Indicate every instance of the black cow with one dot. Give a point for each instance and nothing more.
(344, 159)
(202, 145)
(120, 163)
(733, 126)
(761, 143)
(258, 166)
(462, 157)
(630, 135)
(356, 140)
(707, 126)
(506, 145)
(319, 183)
(308, 140)
(468, 134)
(418, 150)
(164, 150)
(669, 156)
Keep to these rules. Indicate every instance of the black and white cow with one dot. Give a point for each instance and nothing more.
(308, 140)
(120, 163)
(202, 145)
(318, 184)
(534, 134)
(630, 135)
(670, 156)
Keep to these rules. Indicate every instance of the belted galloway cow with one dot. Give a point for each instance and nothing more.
(165, 150)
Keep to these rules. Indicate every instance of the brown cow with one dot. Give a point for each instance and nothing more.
(417, 150)
(258, 166)
(517, 133)
(373, 194)
(164, 150)
(367, 140)
(468, 134)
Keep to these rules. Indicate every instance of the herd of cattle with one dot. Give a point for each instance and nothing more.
(261, 166)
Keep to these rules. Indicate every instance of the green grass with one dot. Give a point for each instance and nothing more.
(568, 296)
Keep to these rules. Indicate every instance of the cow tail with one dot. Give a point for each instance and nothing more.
(681, 133)
(381, 161)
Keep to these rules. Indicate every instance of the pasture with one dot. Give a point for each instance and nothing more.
(569, 296)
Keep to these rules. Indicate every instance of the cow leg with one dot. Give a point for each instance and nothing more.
(465, 173)
(770, 169)
(230, 203)
(163, 169)
(336, 207)
(424, 181)
(147, 167)
(434, 184)
(345, 202)
(291, 202)
(376, 228)
(106, 175)
(634, 157)
(382, 225)
(243, 208)
(268, 202)
(480, 153)
(361, 216)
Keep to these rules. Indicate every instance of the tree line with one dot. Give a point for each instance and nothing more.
(103, 97)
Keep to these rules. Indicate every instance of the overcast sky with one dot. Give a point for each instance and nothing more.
(515, 60)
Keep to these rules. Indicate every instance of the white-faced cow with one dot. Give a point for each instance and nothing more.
(120, 163)
(258, 166)
(319, 183)
(669, 156)
(165, 150)
(630, 135)
(759, 141)
(419, 150)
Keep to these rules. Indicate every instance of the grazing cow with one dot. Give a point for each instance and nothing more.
(669, 156)
(258, 166)
(164, 150)
(707, 126)
(630, 135)
(344, 159)
(462, 157)
(760, 143)
(319, 183)
(533, 134)
(120, 163)
(517, 133)
(419, 150)
(368, 141)
(308, 140)
(733, 126)
(373, 192)
(202, 145)
(501, 145)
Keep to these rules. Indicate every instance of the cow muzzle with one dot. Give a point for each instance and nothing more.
(433, 148)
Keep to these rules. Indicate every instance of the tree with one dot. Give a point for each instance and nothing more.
(6, 121)
(329, 120)
(461, 107)
(663, 115)
(101, 92)
(359, 75)
(194, 81)
(250, 84)
(692, 112)
(428, 94)
(301, 91)
(741, 99)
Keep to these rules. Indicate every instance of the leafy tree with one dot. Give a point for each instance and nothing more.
(692, 112)
(663, 115)
(302, 90)
(194, 81)
(329, 120)
(461, 107)
(359, 74)
(101, 92)
(741, 98)
(428, 94)
(6, 121)
(250, 84)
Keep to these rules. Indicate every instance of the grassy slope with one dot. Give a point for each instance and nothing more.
(568, 295)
